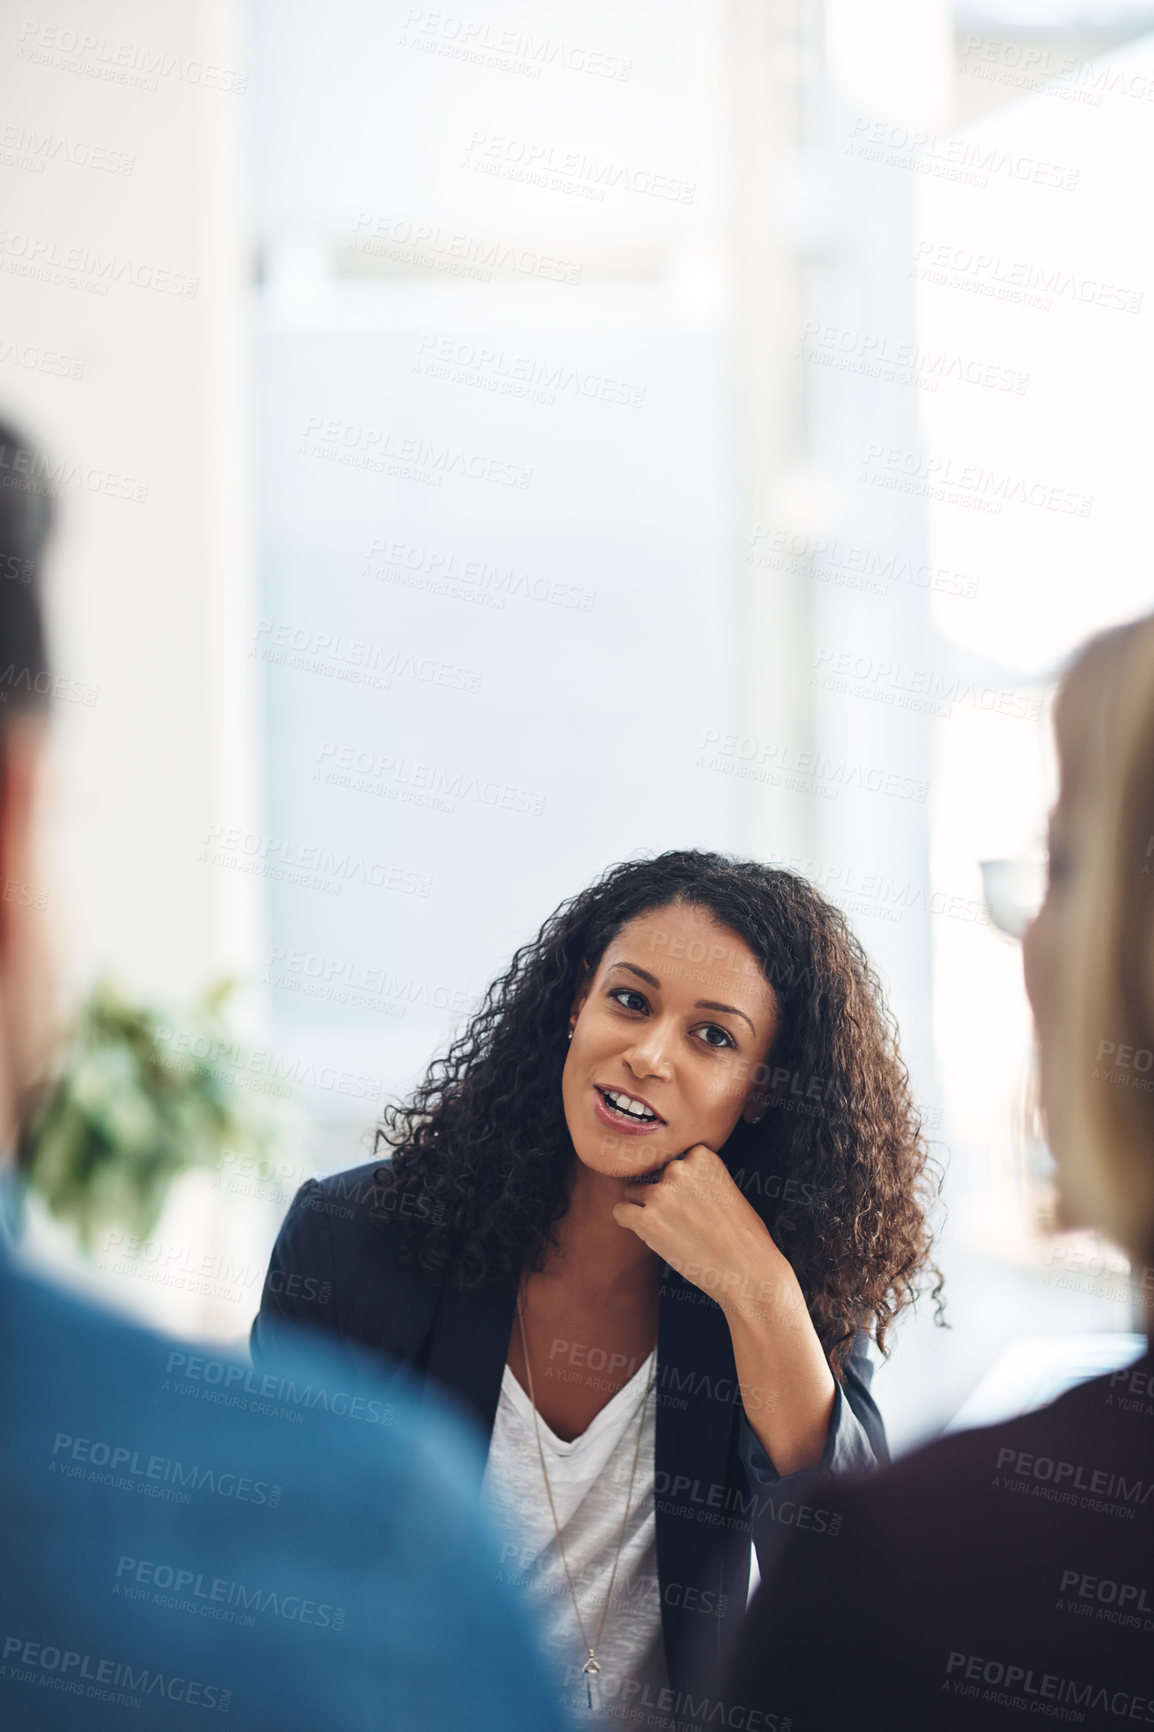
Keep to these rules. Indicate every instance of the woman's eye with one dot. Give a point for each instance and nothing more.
(714, 1029)
(636, 999)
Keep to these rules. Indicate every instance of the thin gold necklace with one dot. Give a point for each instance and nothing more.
(592, 1665)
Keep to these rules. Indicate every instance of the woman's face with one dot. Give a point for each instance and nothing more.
(1044, 952)
(1061, 951)
(667, 1037)
(1044, 943)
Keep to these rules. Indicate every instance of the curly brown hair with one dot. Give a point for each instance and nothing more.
(838, 1170)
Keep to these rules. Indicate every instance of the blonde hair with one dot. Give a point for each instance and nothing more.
(1101, 1093)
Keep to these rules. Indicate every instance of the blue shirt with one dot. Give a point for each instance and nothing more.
(186, 1539)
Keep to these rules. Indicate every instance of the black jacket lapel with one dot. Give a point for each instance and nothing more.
(699, 1563)
(467, 1351)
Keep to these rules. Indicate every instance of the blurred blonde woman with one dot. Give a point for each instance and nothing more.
(1009, 1571)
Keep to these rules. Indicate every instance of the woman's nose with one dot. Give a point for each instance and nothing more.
(650, 1054)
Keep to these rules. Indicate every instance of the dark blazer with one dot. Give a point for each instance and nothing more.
(336, 1265)
(1000, 1577)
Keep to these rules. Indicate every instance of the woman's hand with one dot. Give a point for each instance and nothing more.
(697, 1220)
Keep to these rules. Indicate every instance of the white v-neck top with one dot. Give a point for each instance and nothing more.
(589, 1478)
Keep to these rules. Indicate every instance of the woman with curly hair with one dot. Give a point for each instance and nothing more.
(643, 1219)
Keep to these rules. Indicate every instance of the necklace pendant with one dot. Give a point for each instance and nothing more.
(591, 1665)
(589, 1671)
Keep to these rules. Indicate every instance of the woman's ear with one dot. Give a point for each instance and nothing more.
(584, 983)
(768, 1086)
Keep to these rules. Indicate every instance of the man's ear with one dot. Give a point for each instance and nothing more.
(26, 961)
(21, 761)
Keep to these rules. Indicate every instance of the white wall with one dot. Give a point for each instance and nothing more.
(123, 122)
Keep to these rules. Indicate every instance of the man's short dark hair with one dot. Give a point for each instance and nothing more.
(26, 514)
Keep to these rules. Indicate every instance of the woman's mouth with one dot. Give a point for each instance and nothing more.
(625, 1112)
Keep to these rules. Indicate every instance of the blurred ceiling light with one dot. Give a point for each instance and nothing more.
(297, 273)
(805, 501)
(892, 60)
(1086, 16)
(1014, 891)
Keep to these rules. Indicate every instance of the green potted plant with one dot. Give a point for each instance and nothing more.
(138, 1097)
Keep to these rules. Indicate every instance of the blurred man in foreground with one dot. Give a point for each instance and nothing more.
(302, 1553)
(1007, 1574)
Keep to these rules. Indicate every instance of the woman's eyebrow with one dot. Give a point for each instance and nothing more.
(702, 1003)
(642, 972)
(709, 1004)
